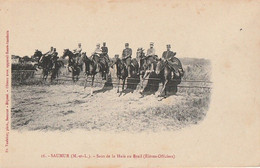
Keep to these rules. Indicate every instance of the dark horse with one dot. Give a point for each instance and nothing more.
(75, 64)
(57, 64)
(44, 62)
(122, 72)
(93, 65)
(164, 69)
(147, 65)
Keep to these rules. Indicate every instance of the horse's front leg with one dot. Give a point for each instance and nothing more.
(92, 84)
(141, 81)
(164, 87)
(123, 84)
(85, 84)
(145, 80)
(77, 78)
(118, 83)
(73, 78)
(45, 75)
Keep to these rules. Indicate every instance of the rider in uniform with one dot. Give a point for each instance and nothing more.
(105, 54)
(104, 50)
(126, 58)
(139, 56)
(47, 54)
(170, 57)
(98, 52)
(151, 52)
(77, 52)
(54, 57)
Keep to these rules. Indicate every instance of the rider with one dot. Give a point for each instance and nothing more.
(126, 58)
(54, 57)
(98, 52)
(104, 49)
(170, 57)
(47, 54)
(105, 53)
(151, 52)
(77, 52)
(139, 56)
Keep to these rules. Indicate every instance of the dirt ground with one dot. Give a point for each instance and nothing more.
(65, 107)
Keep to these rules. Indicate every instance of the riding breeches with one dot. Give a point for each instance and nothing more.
(127, 61)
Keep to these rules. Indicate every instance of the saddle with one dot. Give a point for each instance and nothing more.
(176, 67)
(101, 62)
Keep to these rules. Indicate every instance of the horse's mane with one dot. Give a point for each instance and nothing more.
(37, 53)
(69, 53)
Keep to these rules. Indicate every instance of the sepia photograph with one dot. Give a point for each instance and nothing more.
(102, 79)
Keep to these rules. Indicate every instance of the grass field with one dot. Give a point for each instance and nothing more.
(64, 105)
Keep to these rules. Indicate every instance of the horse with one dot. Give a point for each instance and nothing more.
(44, 62)
(147, 65)
(122, 72)
(75, 64)
(94, 66)
(56, 68)
(165, 69)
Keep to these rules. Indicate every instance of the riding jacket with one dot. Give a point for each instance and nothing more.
(127, 52)
(150, 52)
(168, 55)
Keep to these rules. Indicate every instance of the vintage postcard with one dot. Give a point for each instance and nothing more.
(119, 83)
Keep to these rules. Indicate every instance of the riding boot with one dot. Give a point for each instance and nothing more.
(172, 75)
(129, 72)
(103, 76)
(152, 68)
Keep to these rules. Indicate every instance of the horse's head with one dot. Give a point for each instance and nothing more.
(66, 52)
(159, 66)
(113, 61)
(140, 53)
(85, 58)
(37, 54)
(121, 67)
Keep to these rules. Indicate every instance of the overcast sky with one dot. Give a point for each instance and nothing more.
(193, 29)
